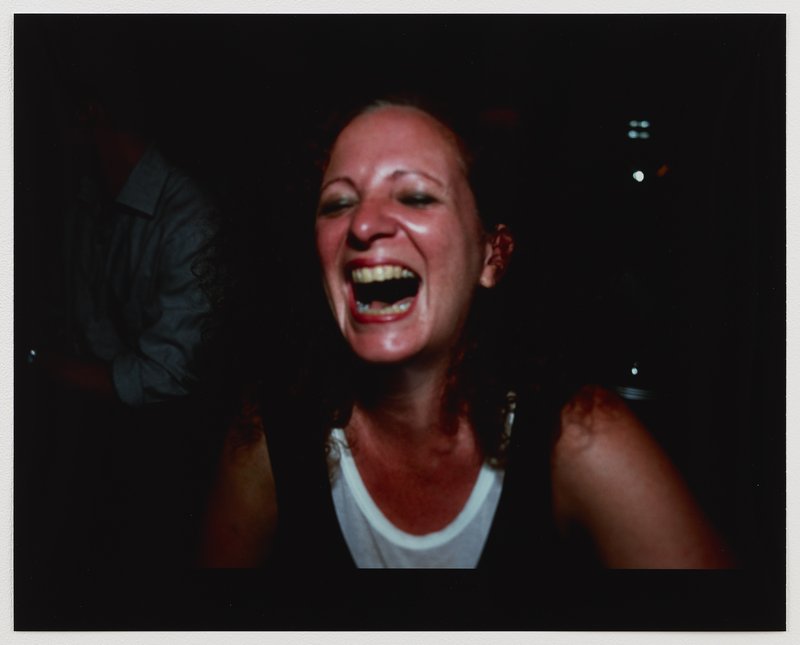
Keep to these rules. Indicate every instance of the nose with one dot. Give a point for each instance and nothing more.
(370, 222)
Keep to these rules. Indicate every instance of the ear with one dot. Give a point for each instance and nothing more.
(499, 247)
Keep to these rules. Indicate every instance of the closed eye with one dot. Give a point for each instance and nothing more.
(417, 200)
(333, 206)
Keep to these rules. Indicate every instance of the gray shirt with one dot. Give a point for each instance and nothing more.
(134, 297)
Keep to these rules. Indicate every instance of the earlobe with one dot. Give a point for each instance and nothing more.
(499, 248)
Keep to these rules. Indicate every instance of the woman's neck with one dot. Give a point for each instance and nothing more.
(403, 405)
(418, 459)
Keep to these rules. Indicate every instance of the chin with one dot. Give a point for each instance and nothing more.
(384, 351)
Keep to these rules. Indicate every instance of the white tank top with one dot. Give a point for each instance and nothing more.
(375, 542)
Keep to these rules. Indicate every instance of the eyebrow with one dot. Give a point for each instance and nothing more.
(395, 175)
(333, 180)
(400, 173)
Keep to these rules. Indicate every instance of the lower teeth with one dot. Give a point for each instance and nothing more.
(399, 308)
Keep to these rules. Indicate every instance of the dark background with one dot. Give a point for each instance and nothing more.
(682, 274)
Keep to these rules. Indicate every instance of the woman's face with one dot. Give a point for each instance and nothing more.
(400, 243)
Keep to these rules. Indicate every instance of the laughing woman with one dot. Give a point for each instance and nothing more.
(425, 455)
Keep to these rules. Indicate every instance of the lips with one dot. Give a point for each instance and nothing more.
(382, 292)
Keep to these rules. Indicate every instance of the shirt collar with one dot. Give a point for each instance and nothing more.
(143, 187)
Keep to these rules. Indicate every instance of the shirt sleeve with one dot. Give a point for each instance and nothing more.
(165, 363)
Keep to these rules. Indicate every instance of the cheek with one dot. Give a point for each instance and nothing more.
(322, 241)
(328, 245)
(463, 253)
(328, 262)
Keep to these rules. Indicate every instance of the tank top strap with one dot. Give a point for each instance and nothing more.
(524, 535)
(308, 535)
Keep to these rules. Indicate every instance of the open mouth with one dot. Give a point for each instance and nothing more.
(383, 290)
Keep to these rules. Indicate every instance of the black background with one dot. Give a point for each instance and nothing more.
(682, 273)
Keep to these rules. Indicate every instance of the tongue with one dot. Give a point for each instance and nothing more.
(380, 304)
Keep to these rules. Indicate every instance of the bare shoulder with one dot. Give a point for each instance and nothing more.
(242, 510)
(612, 479)
(594, 419)
(245, 440)
(597, 431)
(601, 445)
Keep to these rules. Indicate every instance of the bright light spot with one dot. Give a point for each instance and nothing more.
(638, 176)
(633, 124)
(634, 370)
(644, 124)
(632, 134)
(644, 135)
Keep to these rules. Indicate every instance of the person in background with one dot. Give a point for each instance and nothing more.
(132, 245)
(124, 354)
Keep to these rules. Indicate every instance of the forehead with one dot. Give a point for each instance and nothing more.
(396, 131)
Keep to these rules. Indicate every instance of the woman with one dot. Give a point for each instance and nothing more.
(421, 470)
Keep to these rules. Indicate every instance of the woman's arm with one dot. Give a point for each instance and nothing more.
(612, 479)
(242, 513)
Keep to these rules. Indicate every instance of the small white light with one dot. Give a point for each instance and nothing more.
(638, 176)
(634, 370)
(633, 124)
(644, 124)
(632, 134)
(644, 135)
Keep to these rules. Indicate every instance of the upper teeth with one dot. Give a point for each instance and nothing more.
(363, 275)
